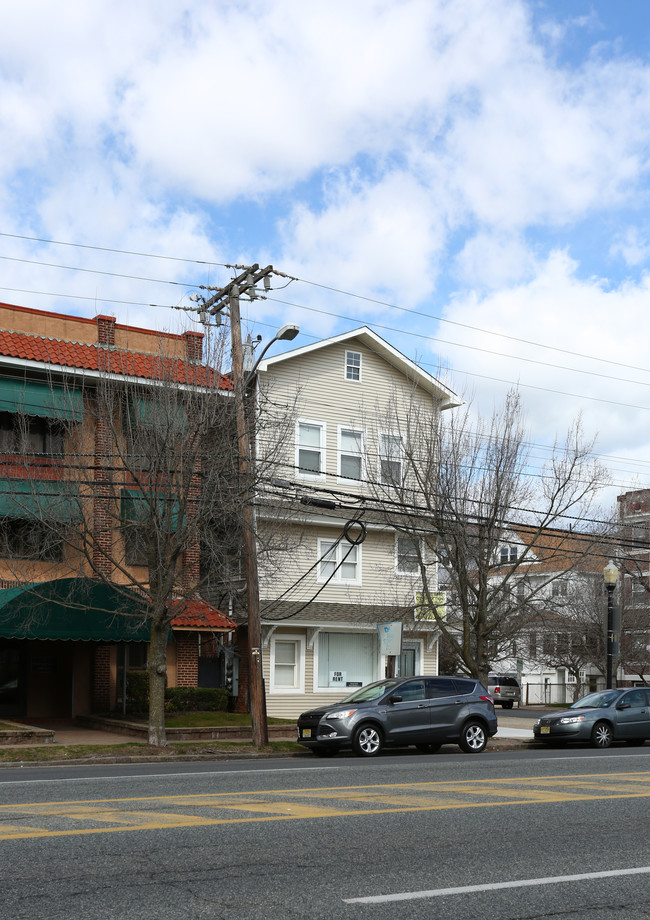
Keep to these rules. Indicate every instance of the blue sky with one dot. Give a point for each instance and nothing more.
(481, 165)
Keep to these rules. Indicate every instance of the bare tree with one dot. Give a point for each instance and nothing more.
(571, 629)
(454, 486)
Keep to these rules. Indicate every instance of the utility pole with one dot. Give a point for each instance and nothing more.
(229, 297)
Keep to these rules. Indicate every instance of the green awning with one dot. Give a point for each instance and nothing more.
(137, 507)
(73, 609)
(159, 412)
(36, 499)
(47, 401)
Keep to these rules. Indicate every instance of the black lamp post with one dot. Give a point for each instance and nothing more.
(610, 574)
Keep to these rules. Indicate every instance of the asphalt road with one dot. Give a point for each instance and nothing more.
(553, 834)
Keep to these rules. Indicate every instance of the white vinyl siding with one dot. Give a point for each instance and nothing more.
(347, 659)
(350, 453)
(310, 449)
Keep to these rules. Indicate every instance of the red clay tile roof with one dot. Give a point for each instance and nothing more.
(198, 614)
(83, 356)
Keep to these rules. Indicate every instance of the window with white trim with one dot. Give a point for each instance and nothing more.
(340, 562)
(508, 554)
(347, 659)
(350, 453)
(287, 664)
(310, 448)
(353, 365)
(408, 560)
(390, 459)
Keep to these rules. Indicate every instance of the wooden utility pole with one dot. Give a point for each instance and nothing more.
(229, 297)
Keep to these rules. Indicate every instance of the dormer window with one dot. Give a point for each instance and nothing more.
(508, 554)
(353, 365)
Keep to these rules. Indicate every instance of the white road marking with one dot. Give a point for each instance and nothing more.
(523, 883)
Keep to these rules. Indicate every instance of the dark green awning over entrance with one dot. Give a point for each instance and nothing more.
(73, 609)
(31, 397)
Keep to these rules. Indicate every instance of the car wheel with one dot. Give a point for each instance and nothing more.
(507, 705)
(430, 748)
(601, 735)
(473, 738)
(368, 741)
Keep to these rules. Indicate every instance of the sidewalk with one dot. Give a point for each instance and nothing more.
(512, 727)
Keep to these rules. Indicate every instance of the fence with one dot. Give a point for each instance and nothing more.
(548, 694)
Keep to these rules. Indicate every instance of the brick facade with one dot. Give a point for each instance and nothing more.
(187, 659)
(101, 679)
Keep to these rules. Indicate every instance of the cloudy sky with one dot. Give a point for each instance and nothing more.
(467, 177)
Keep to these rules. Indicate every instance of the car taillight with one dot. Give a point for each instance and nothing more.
(497, 689)
(487, 698)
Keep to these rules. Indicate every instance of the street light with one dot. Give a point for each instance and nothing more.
(286, 333)
(610, 574)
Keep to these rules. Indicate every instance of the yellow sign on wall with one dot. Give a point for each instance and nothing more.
(424, 610)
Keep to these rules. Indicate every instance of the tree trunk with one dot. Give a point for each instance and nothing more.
(157, 668)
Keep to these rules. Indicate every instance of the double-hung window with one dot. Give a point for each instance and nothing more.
(350, 454)
(390, 459)
(340, 562)
(286, 664)
(408, 560)
(353, 365)
(310, 449)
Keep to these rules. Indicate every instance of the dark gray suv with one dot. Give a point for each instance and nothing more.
(424, 711)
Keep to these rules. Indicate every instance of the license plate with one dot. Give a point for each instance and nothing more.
(306, 733)
(545, 730)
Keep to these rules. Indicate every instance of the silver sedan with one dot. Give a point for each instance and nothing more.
(600, 718)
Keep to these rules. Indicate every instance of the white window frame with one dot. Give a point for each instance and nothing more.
(341, 550)
(349, 365)
(347, 453)
(398, 571)
(305, 474)
(299, 685)
(512, 549)
(383, 456)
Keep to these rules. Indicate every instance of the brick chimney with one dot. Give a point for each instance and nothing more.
(105, 330)
(194, 345)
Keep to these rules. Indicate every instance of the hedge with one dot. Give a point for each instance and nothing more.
(191, 699)
(177, 699)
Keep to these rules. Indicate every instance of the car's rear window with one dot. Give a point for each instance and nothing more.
(504, 681)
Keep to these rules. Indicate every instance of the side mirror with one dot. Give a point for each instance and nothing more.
(394, 699)
(624, 706)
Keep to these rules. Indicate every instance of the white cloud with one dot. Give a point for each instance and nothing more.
(578, 351)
